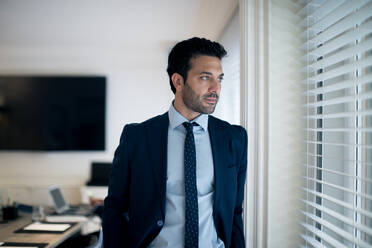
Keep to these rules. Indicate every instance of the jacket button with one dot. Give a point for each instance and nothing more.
(160, 223)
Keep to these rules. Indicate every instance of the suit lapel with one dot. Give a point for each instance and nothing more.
(218, 142)
(157, 133)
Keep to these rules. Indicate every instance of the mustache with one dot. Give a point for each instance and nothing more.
(214, 95)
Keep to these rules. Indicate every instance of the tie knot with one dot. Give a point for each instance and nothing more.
(189, 125)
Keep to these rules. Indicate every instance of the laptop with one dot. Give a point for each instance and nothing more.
(62, 208)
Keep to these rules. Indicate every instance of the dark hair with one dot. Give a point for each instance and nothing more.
(181, 54)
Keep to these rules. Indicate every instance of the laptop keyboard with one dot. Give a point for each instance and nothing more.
(79, 210)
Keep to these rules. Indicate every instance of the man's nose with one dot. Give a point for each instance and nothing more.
(215, 85)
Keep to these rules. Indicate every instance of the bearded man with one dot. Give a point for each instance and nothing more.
(178, 178)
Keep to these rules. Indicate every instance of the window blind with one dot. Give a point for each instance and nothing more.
(337, 163)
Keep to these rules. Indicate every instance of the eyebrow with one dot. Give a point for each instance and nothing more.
(209, 73)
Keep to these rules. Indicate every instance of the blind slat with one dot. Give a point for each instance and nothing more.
(325, 8)
(339, 217)
(366, 180)
(345, 54)
(313, 241)
(310, 7)
(317, 12)
(340, 41)
(341, 70)
(339, 144)
(339, 159)
(359, 129)
(346, 23)
(336, 14)
(340, 100)
(339, 202)
(354, 82)
(323, 236)
(346, 190)
(337, 230)
(341, 115)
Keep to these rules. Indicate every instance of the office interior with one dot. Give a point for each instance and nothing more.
(128, 42)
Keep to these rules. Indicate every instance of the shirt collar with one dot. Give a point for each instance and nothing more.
(176, 119)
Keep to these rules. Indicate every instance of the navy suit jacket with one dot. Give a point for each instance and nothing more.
(134, 208)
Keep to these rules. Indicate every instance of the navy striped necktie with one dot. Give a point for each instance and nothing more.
(191, 193)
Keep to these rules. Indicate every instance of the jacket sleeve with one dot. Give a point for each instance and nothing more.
(237, 235)
(117, 201)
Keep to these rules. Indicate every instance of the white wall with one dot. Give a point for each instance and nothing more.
(228, 107)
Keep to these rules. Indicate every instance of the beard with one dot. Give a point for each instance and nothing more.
(194, 102)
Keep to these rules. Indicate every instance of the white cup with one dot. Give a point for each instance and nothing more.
(38, 213)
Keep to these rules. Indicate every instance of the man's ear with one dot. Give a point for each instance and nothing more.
(177, 81)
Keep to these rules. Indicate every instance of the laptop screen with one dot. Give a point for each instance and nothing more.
(57, 198)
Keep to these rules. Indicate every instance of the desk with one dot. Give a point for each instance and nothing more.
(7, 233)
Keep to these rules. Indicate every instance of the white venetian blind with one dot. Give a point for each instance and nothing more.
(337, 163)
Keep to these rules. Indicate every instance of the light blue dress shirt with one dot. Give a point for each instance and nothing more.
(173, 231)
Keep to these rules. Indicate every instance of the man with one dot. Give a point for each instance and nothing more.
(178, 178)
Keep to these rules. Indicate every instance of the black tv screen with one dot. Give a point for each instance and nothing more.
(52, 113)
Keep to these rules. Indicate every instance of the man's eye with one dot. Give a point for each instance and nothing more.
(220, 79)
(204, 77)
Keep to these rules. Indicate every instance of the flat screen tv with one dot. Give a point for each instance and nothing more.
(52, 113)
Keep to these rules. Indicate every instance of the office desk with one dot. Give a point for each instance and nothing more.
(7, 233)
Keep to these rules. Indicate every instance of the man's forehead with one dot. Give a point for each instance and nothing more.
(204, 63)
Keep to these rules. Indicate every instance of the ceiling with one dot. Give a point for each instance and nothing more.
(142, 25)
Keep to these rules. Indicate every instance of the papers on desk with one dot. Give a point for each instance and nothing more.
(37, 226)
(22, 245)
(45, 227)
(66, 218)
(19, 246)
